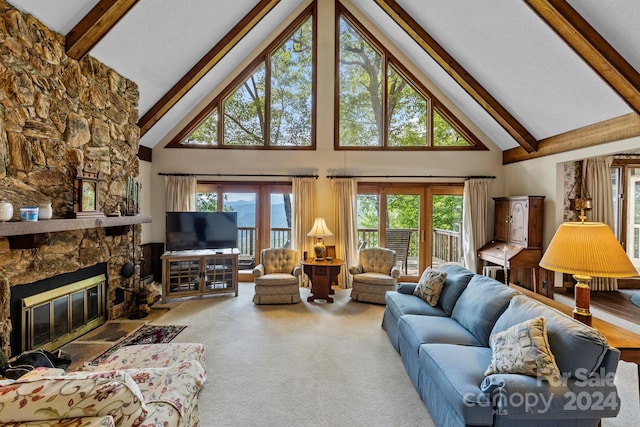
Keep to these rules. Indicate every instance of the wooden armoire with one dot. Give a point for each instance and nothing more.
(517, 240)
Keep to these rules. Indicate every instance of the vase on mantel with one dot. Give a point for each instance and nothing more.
(6, 210)
(45, 211)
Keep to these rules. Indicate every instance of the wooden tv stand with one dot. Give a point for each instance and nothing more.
(199, 272)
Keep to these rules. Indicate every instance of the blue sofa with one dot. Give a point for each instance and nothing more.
(445, 350)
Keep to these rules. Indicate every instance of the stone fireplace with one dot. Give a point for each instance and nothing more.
(57, 113)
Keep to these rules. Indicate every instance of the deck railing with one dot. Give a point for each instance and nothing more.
(279, 237)
(447, 244)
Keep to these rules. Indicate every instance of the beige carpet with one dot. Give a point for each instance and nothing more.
(307, 364)
(310, 364)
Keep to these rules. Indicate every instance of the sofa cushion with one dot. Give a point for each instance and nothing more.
(567, 337)
(416, 330)
(523, 349)
(400, 304)
(457, 280)
(458, 372)
(95, 394)
(482, 302)
(430, 285)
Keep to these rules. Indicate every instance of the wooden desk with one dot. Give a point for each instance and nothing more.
(627, 342)
(322, 274)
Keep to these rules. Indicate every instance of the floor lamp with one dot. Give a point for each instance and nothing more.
(586, 250)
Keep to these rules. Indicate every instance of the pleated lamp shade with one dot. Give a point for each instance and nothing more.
(319, 229)
(587, 249)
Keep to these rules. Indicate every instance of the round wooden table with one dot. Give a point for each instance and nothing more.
(322, 274)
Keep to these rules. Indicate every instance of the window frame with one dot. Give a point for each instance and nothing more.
(263, 58)
(388, 59)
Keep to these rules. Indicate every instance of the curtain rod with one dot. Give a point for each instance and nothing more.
(239, 175)
(411, 176)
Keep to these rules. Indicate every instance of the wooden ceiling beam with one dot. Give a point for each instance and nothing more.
(460, 75)
(95, 25)
(205, 64)
(591, 47)
(616, 129)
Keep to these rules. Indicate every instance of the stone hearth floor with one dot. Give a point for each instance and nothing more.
(97, 341)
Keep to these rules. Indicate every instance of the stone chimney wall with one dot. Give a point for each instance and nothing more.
(57, 113)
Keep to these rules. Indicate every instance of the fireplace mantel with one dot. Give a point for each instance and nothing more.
(17, 230)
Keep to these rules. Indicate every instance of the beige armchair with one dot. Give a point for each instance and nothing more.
(277, 277)
(374, 275)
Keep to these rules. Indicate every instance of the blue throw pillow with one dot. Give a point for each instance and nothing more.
(480, 305)
(457, 280)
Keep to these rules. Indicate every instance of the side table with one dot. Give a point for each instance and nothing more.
(322, 275)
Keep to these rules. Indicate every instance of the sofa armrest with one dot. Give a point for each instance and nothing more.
(406, 288)
(73, 395)
(525, 396)
(356, 269)
(297, 271)
(395, 272)
(258, 270)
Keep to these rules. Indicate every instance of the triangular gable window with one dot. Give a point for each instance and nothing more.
(270, 104)
(381, 105)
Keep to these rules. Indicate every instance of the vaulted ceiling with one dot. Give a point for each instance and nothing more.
(533, 75)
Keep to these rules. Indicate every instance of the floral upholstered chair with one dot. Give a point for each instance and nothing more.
(277, 277)
(374, 275)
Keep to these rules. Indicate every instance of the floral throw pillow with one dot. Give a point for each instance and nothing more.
(430, 285)
(523, 349)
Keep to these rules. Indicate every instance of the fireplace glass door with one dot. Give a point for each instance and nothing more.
(53, 318)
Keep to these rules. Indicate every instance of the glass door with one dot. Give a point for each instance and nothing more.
(402, 212)
(280, 217)
(446, 225)
(245, 204)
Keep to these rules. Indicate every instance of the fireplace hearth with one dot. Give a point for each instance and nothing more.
(49, 313)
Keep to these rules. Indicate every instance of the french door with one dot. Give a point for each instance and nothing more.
(414, 220)
(264, 216)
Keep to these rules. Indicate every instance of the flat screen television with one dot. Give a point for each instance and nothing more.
(201, 230)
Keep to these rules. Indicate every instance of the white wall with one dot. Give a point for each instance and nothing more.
(144, 178)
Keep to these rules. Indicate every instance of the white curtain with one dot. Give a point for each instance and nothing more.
(180, 193)
(596, 175)
(345, 192)
(475, 223)
(304, 213)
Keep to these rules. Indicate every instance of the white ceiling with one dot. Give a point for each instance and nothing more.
(503, 44)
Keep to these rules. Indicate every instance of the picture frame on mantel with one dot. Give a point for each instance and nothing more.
(86, 192)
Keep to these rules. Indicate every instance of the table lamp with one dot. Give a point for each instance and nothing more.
(586, 249)
(319, 230)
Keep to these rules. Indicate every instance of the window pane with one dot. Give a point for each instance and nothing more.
(206, 133)
(444, 135)
(207, 202)
(360, 90)
(281, 220)
(407, 112)
(244, 112)
(291, 84)
(447, 223)
(245, 205)
(368, 220)
(403, 224)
